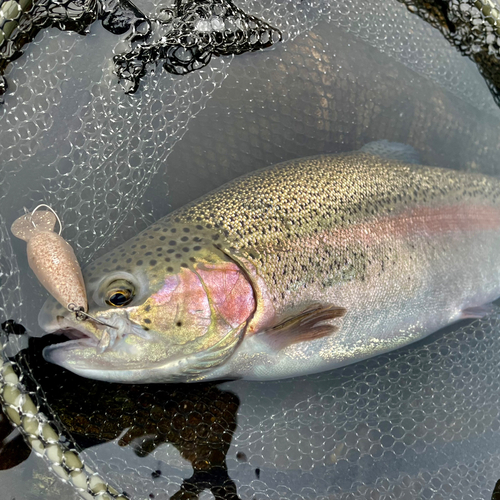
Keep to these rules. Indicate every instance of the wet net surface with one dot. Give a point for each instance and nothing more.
(419, 423)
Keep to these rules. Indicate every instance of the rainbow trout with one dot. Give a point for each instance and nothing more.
(301, 267)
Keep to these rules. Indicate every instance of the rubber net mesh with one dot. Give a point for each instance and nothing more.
(422, 422)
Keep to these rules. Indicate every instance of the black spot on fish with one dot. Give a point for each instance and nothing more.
(167, 259)
(156, 474)
(199, 227)
(163, 238)
(184, 238)
(184, 265)
(152, 262)
(186, 230)
(148, 253)
(147, 321)
(170, 269)
(172, 243)
(178, 255)
(128, 261)
(196, 248)
(215, 237)
(179, 323)
(143, 246)
(139, 262)
(147, 308)
(170, 250)
(185, 249)
(192, 259)
(159, 249)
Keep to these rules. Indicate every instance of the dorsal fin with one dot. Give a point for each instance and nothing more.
(26, 226)
(392, 151)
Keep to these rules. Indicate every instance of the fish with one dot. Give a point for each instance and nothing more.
(297, 268)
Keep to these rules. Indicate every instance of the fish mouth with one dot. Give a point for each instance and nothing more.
(77, 338)
(75, 334)
(120, 360)
(72, 334)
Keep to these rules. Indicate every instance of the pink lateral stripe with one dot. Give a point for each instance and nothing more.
(449, 219)
(422, 221)
(427, 221)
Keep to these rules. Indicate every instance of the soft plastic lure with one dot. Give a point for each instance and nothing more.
(52, 259)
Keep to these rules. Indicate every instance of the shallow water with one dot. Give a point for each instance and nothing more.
(421, 422)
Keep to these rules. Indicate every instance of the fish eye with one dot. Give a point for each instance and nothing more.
(119, 293)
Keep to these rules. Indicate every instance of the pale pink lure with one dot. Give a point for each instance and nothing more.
(52, 259)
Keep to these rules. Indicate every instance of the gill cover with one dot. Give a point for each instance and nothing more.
(201, 312)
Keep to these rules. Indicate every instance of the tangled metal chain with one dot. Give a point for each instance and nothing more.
(190, 34)
(472, 26)
(21, 21)
(185, 37)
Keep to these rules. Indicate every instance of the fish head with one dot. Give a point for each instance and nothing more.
(168, 305)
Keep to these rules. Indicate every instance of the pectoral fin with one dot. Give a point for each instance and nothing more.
(305, 326)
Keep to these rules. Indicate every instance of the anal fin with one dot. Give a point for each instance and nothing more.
(479, 311)
(303, 327)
